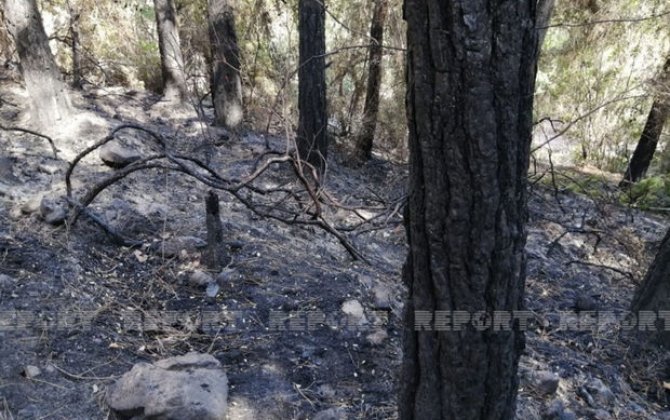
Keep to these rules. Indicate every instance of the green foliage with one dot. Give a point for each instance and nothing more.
(649, 193)
(605, 66)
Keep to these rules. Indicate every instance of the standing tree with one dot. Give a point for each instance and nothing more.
(545, 8)
(172, 62)
(366, 136)
(654, 292)
(76, 45)
(50, 102)
(225, 79)
(312, 141)
(471, 75)
(646, 146)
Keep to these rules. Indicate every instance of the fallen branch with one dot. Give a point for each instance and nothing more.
(34, 133)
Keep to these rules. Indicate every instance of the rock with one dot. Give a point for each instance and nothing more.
(52, 212)
(354, 310)
(599, 392)
(200, 278)
(6, 282)
(32, 205)
(545, 382)
(557, 411)
(331, 414)
(31, 372)
(116, 155)
(193, 386)
(212, 290)
(377, 338)
(382, 296)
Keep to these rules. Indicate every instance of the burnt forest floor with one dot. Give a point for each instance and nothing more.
(71, 300)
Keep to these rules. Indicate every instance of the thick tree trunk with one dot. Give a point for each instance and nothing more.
(312, 141)
(545, 8)
(654, 292)
(471, 73)
(226, 82)
(172, 62)
(50, 102)
(658, 115)
(371, 109)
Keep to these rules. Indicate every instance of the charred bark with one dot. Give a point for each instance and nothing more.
(653, 128)
(654, 292)
(312, 141)
(225, 79)
(471, 73)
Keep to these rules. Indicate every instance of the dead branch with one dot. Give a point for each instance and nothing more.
(243, 190)
(34, 133)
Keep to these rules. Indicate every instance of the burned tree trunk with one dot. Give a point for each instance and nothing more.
(215, 257)
(371, 108)
(654, 292)
(658, 115)
(471, 72)
(172, 62)
(50, 102)
(312, 141)
(225, 78)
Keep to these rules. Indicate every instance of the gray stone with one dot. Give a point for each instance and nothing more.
(116, 155)
(6, 282)
(212, 290)
(200, 278)
(193, 386)
(377, 338)
(31, 372)
(52, 212)
(546, 382)
(354, 310)
(7, 171)
(382, 296)
(32, 205)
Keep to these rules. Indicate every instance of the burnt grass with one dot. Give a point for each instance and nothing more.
(93, 309)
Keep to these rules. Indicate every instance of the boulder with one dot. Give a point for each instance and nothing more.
(116, 155)
(193, 386)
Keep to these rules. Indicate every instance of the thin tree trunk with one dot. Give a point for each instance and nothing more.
(226, 82)
(312, 141)
(371, 108)
(50, 101)
(545, 8)
(76, 47)
(172, 62)
(658, 115)
(471, 72)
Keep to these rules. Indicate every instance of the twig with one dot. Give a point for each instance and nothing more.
(34, 133)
